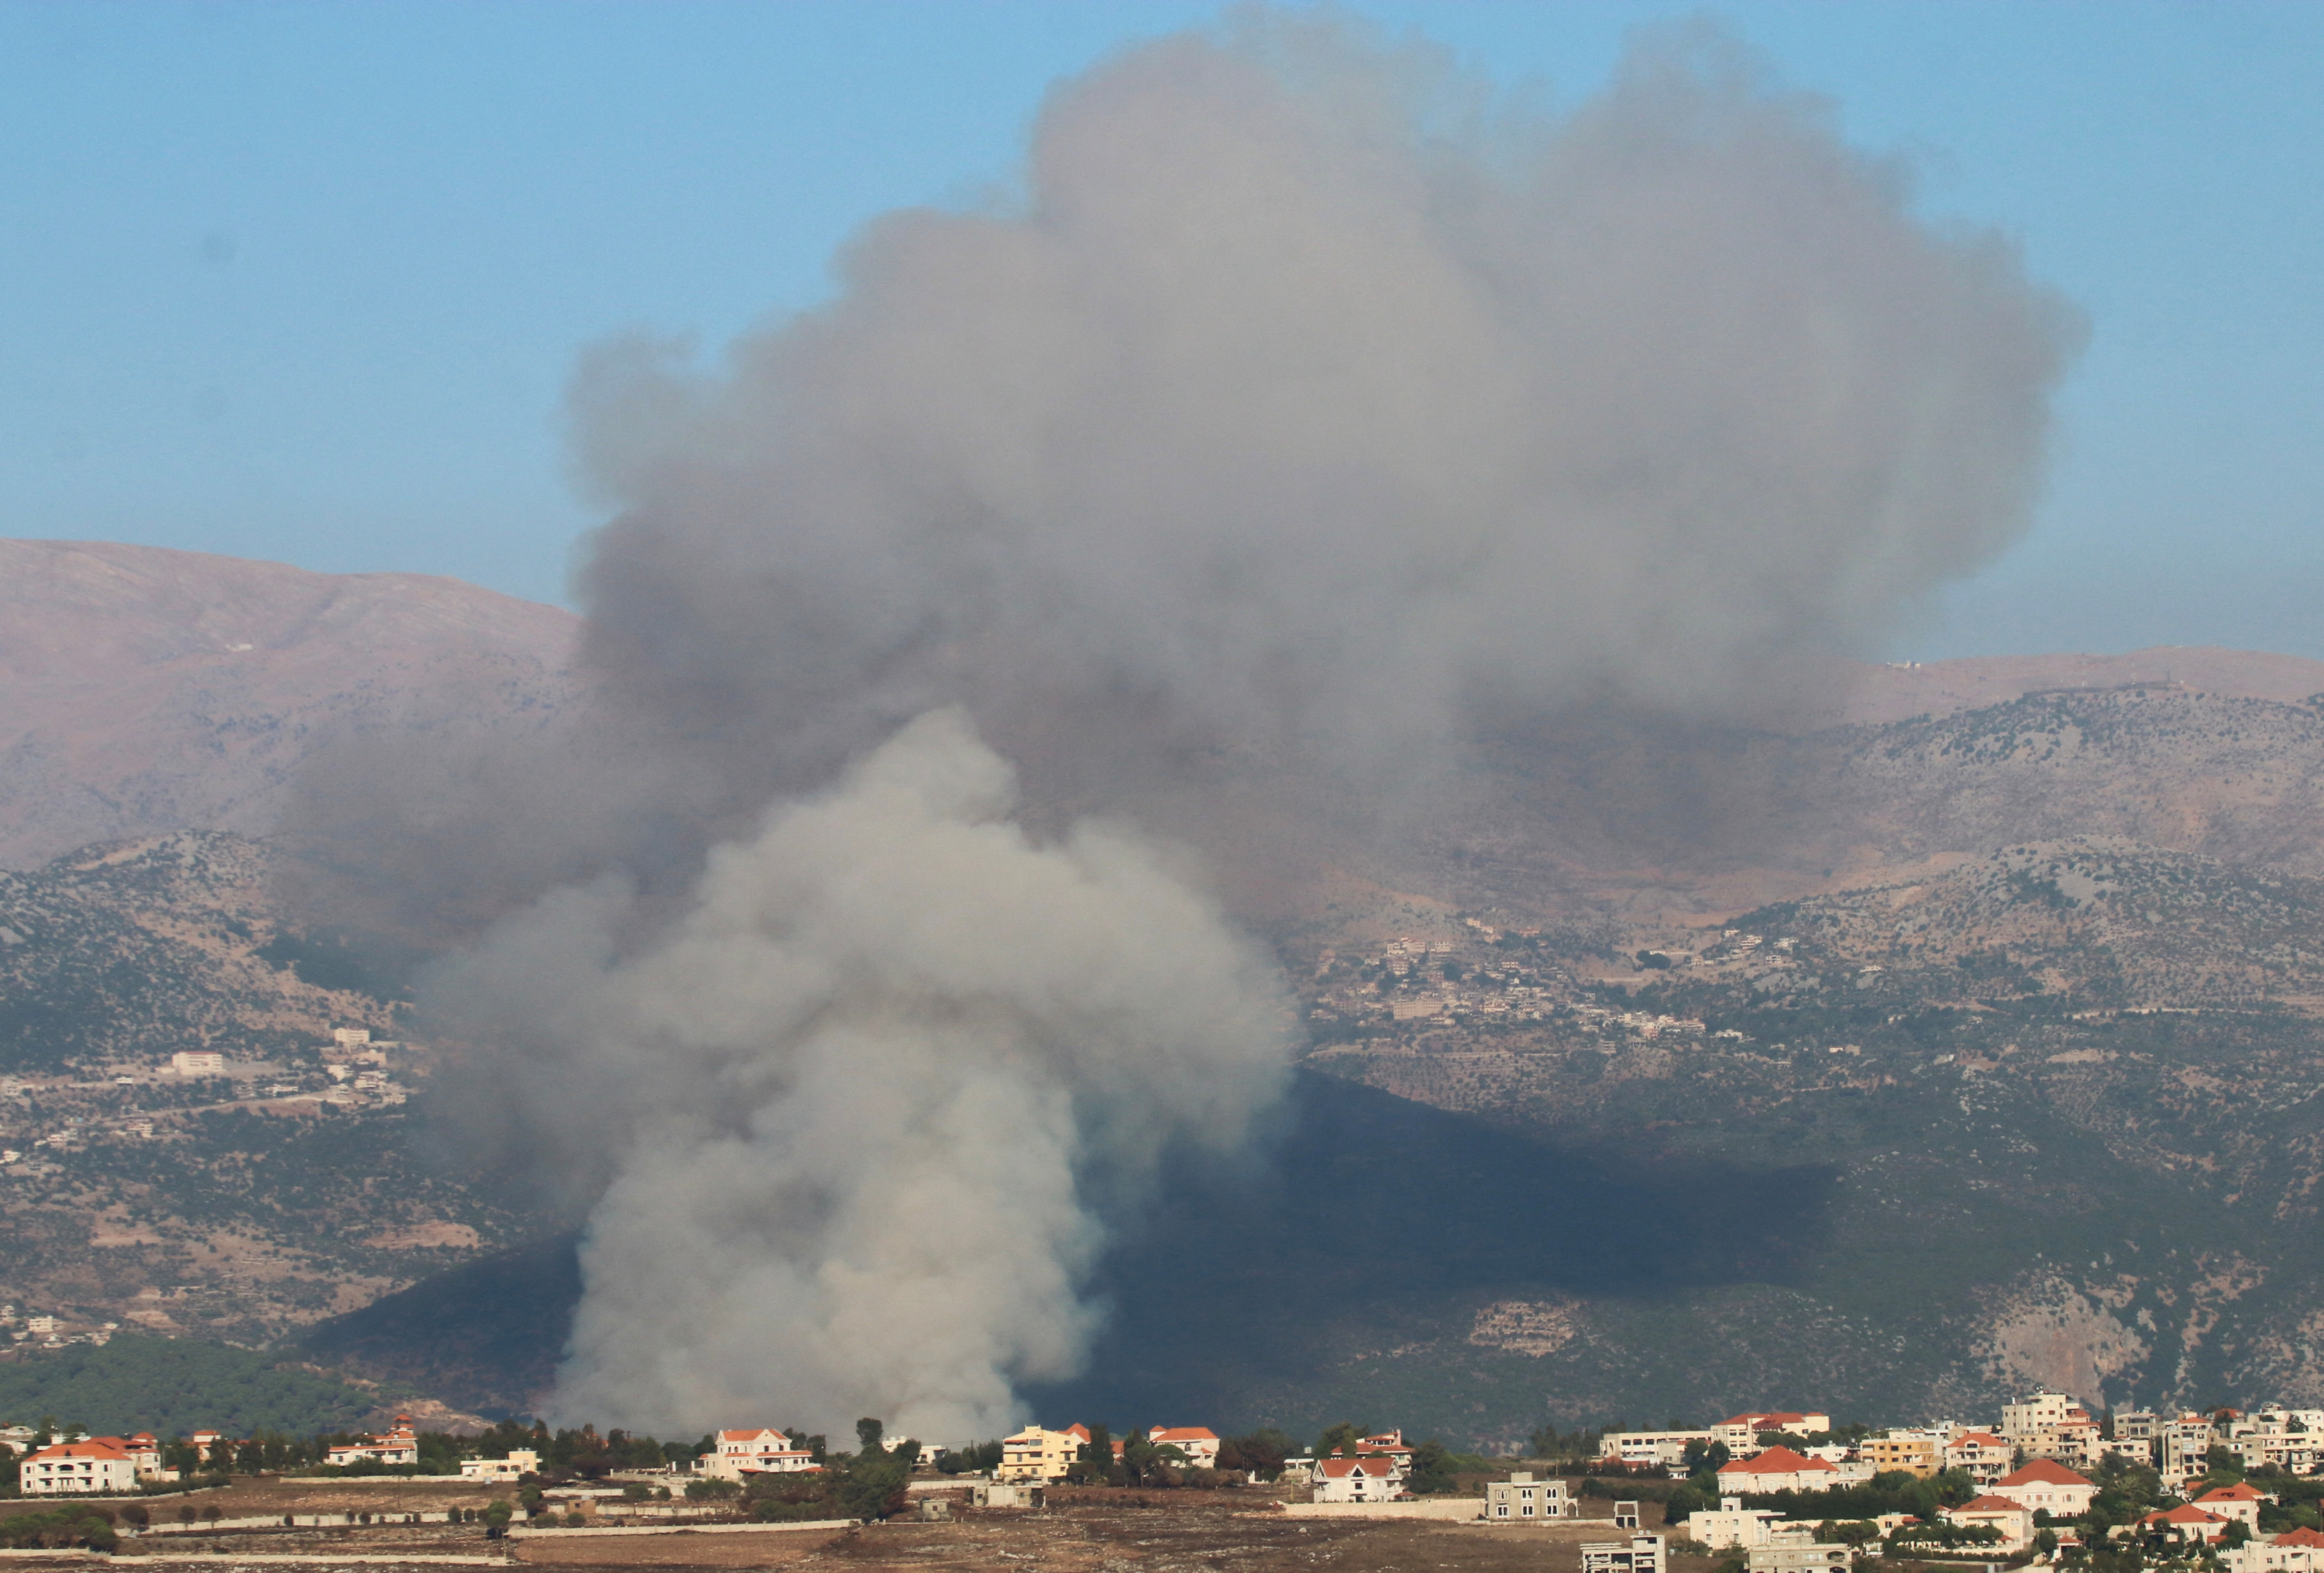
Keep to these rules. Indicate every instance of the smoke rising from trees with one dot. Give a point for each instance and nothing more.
(1307, 402)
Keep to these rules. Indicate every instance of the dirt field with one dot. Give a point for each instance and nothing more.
(1082, 1531)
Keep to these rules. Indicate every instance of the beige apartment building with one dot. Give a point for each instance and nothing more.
(1038, 1456)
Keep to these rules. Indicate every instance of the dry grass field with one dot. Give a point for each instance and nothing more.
(1083, 1532)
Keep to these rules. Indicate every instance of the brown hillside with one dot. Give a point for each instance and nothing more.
(143, 690)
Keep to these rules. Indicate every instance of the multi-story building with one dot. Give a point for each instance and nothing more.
(1743, 1431)
(1733, 1526)
(1983, 1457)
(2183, 1448)
(1921, 1453)
(91, 1468)
(1638, 1554)
(520, 1462)
(1786, 1554)
(1036, 1455)
(1663, 1448)
(1521, 1498)
(2013, 1520)
(1364, 1477)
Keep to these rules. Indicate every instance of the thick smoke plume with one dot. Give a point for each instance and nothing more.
(866, 1089)
(1307, 404)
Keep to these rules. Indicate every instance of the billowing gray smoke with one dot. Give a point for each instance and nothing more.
(1306, 403)
(867, 1086)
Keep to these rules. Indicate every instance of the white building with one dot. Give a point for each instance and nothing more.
(2238, 1501)
(1521, 1497)
(1366, 1477)
(1638, 1554)
(520, 1461)
(396, 1444)
(1733, 1526)
(1663, 1447)
(1778, 1469)
(1743, 1431)
(2046, 1486)
(1199, 1445)
(90, 1469)
(2295, 1551)
(758, 1450)
(1786, 1554)
(197, 1062)
(2011, 1519)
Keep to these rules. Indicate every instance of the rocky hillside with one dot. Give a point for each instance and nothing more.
(144, 690)
(292, 1184)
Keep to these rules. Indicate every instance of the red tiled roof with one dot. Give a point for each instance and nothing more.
(1990, 1505)
(1078, 1429)
(1335, 1469)
(1776, 1461)
(2238, 1492)
(748, 1436)
(2186, 1513)
(90, 1450)
(1982, 1439)
(1181, 1434)
(2300, 1537)
(2044, 1472)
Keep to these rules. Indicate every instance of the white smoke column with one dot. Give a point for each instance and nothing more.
(874, 1089)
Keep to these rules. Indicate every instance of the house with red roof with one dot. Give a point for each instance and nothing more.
(399, 1444)
(1035, 1455)
(2187, 1524)
(2046, 1486)
(2239, 1502)
(1983, 1457)
(1778, 1469)
(2012, 1519)
(737, 1455)
(2300, 1550)
(1357, 1477)
(1199, 1443)
(86, 1468)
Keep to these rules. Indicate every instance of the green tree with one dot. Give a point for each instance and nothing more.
(1432, 1470)
(873, 1486)
(1346, 1434)
(867, 1432)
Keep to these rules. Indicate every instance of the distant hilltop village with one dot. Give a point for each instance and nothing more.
(2048, 1483)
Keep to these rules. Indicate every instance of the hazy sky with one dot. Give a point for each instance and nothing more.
(306, 281)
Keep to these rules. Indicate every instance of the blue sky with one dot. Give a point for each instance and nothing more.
(304, 281)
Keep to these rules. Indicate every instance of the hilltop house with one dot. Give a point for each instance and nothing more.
(1199, 1443)
(2293, 1551)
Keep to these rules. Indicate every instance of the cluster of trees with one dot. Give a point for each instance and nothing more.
(867, 1483)
(79, 1525)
